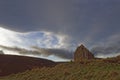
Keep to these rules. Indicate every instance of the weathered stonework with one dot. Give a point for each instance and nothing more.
(82, 53)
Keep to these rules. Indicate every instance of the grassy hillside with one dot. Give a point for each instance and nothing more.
(88, 70)
(10, 64)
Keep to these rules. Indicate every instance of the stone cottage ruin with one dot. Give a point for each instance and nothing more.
(82, 53)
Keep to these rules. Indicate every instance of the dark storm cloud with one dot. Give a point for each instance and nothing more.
(29, 15)
(20, 50)
(106, 50)
(61, 53)
(59, 15)
(84, 21)
(111, 47)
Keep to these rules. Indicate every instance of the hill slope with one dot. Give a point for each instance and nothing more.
(88, 70)
(10, 64)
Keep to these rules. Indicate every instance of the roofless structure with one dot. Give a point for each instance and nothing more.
(82, 53)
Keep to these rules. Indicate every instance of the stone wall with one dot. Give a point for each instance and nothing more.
(82, 53)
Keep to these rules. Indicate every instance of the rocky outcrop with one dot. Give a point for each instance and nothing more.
(82, 53)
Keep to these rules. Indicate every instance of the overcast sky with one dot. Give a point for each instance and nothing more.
(61, 24)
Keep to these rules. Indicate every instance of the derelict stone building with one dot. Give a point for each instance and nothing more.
(82, 53)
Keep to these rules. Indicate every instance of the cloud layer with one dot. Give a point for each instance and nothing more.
(110, 48)
(26, 40)
(61, 24)
(36, 51)
(83, 21)
(27, 44)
